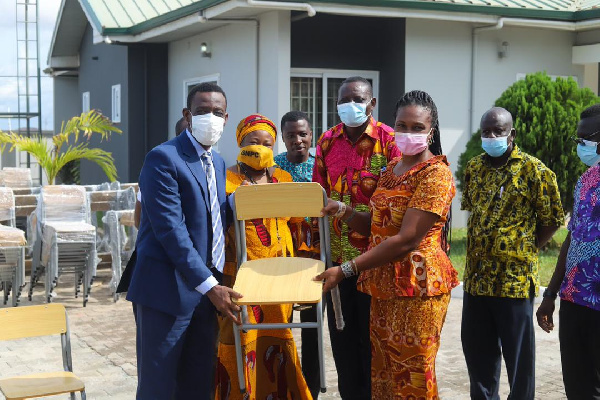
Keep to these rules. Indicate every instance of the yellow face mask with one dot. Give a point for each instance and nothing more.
(256, 157)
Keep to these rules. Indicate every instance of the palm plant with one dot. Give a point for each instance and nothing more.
(53, 158)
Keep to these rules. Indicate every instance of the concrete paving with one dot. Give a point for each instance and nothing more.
(103, 344)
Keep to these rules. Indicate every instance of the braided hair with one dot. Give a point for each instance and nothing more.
(423, 99)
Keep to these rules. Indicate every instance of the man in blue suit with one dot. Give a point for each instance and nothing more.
(180, 256)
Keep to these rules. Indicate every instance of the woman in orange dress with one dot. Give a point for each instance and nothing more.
(406, 269)
(271, 364)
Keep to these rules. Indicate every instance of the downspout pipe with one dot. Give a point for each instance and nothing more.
(474, 32)
(310, 10)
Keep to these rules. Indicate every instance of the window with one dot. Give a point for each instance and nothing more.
(85, 102)
(188, 84)
(116, 103)
(315, 92)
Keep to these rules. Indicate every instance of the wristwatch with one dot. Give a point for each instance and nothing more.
(549, 293)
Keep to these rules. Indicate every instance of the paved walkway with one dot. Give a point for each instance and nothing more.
(103, 343)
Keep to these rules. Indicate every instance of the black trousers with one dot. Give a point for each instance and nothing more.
(579, 334)
(352, 346)
(493, 327)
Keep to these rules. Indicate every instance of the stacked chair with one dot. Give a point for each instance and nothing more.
(121, 245)
(66, 241)
(12, 249)
(16, 177)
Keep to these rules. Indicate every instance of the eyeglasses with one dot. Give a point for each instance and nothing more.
(586, 141)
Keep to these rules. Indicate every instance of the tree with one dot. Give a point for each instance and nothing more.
(546, 113)
(53, 158)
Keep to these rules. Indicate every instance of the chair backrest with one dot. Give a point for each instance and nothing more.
(16, 177)
(7, 205)
(64, 203)
(293, 199)
(112, 200)
(32, 321)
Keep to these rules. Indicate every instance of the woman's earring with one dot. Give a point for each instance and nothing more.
(430, 140)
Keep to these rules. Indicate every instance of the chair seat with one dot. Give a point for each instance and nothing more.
(281, 280)
(127, 217)
(68, 227)
(10, 237)
(38, 385)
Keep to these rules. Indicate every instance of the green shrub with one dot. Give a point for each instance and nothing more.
(545, 115)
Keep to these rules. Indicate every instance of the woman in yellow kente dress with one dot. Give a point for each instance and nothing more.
(406, 270)
(271, 364)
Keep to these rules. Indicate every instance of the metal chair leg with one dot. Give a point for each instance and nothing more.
(83, 396)
(320, 345)
(72, 395)
(238, 356)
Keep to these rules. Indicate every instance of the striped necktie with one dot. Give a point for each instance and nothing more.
(218, 241)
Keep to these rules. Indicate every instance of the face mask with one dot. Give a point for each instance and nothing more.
(353, 114)
(412, 143)
(207, 128)
(587, 153)
(495, 147)
(256, 157)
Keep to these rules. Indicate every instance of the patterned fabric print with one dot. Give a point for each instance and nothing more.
(349, 173)
(506, 205)
(405, 338)
(301, 172)
(271, 363)
(582, 279)
(427, 271)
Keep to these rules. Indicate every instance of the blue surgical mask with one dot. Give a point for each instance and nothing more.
(496, 146)
(587, 153)
(353, 114)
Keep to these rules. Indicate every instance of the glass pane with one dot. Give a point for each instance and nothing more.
(305, 95)
(333, 87)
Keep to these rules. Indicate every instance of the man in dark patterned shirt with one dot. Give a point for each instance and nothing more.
(515, 208)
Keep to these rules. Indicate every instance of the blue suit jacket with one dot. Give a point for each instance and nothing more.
(174, 245)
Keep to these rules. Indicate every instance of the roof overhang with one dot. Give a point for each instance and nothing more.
(204, 15)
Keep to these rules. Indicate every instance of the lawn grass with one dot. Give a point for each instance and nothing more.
(548, 256)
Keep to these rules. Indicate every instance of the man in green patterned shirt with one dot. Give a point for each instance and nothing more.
(515, 208)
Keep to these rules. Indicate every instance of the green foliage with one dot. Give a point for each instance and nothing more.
(546, 114)
(53, 159)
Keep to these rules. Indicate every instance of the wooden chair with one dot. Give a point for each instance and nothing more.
(281, 280)
(34, 321)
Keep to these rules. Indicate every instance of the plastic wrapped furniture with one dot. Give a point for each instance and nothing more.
(12, 249)
(115, 223)
(16, 177)
(35, 321)
(281, 280)
(65, 239)
(104, 201)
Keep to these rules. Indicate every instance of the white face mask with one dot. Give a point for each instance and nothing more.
(207, 128)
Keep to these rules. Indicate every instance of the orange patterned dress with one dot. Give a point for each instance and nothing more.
(271, 363)
(410, 296)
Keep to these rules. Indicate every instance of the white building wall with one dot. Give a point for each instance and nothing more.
(438, 60)
(274, 67)
(233, 49)
(234, 59)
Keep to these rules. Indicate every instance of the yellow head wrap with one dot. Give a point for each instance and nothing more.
(254, 122)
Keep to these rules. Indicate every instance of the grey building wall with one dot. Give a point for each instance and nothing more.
(101, 67)
(67, 99)
(376, 44)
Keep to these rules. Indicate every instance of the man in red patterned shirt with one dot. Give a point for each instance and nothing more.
(349, 158)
